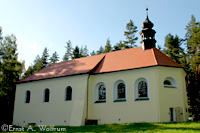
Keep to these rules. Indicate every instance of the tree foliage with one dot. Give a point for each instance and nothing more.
(120, 46)
(10, 71)
(45, 58)
(69, 50)
(76, 53)
(54, 58)
(130, 34)
(84, 51)
(38, 64)
(193, 57)
(189, 59)
(101, 50)
(108, 47)
(173, 47)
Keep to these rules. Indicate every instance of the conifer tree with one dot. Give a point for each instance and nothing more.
(76, 53)
(10, 72)
(37, 64)
(193, 74)
(193, 42)
(54, 58)
(108, 47)
(120, 46)
(69, 50)
(84, 51)
(130, 34)
(44, 58)
(101, 50)
(29, 72)
(93, 53)
(173, 47)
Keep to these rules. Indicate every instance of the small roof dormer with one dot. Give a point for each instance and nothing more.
(147, 34)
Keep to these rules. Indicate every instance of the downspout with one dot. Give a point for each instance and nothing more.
(87, 102)
(87, 98)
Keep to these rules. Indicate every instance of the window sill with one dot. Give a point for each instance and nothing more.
(68, 100)
(142, 99)
(120, 100)
(100, 101)
(169, 86)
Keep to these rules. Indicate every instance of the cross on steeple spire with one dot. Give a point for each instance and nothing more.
(147, 11)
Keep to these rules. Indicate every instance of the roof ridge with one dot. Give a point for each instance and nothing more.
(96, 55)
(161, 53)
(154, 56)
(95, 67)
(122, 50)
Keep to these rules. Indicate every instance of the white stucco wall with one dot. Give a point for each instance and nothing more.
(131, 110)
(156, 109)
(172, 97)
(57, 110)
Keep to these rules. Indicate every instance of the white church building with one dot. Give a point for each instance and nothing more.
(133, 85)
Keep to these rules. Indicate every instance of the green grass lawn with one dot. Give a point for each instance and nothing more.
(186, 127)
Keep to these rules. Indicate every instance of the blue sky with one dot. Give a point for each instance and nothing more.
(51, 23)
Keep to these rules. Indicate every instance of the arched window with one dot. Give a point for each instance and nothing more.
(119, 91)
(141, 88)
(169, 82)
(100, 93)
(68, 93)
(27, 96)
(46, 95)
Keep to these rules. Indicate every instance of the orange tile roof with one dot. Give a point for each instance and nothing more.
(66, 68)
(133, 58)
(108, 62)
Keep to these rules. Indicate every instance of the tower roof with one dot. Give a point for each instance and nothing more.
(147, 23)
(147, 34)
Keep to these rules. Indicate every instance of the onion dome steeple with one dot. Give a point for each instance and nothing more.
(147, 34)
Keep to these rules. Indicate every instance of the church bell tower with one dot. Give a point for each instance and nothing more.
(147, 34)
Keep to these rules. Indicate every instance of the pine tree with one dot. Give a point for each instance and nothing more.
(101, 50)
(37, 66)
(54, 58)
(130, 34)
(108, 47)
(10, 72)
(93, 53)
(69, 50)
(84, 52)
(29, 72)
(173, 47)
(44, 58)
(76, 53)
(193, 74)
(120, 46)
(193, 42)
